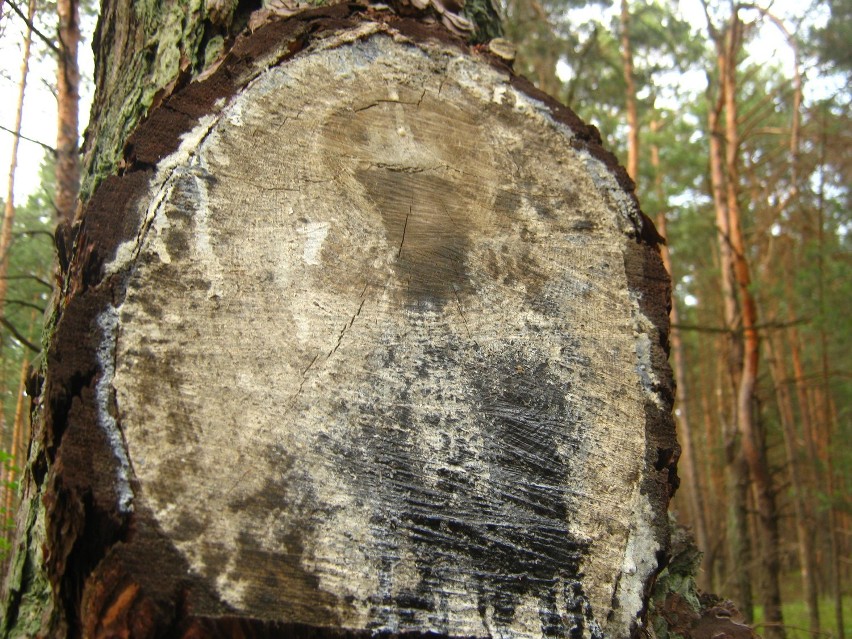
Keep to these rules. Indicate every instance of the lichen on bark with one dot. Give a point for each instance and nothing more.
(142, 49)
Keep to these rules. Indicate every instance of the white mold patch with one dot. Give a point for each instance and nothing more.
(108, 325)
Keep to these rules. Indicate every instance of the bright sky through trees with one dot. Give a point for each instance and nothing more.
(39, 121)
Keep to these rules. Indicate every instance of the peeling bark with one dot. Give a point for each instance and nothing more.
(369, 336)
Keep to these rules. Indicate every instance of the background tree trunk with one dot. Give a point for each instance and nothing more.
(365, 334)
(68, 110)
(9, 204)
(630, 84)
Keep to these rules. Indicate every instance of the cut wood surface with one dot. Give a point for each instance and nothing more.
(380, 346)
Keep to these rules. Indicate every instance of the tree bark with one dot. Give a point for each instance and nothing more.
(367, 335)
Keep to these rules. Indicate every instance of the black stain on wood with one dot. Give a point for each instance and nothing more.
(489, 505)
(284, 511)
(428, 219)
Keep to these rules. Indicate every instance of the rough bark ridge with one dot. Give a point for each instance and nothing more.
(368, 337)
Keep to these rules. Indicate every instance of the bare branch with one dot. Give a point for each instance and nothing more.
(18, 336)
(50, 43)
(47, 147)
(26, 304)
(30, 277)
(767, 326)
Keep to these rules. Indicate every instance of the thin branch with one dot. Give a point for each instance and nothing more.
(30, 277)
(24, 137)
(50, 43)
(738, 331)
(47, 85)
(17, 335)
(47, 234)
(26, 304)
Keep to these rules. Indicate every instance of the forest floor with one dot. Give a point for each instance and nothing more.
(796, 618)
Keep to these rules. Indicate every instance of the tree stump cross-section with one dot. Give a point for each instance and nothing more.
(384, 351)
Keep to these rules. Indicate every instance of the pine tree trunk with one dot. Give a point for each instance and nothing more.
(736, 470)
(630, 84)
(754, 448)
(9, 204)
(68, 109)
(805, 529)
(360, 333)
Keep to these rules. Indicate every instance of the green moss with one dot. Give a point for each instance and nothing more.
(35, 610)
(485, 18)
(675, 596)
(214, 47)
(172, 34)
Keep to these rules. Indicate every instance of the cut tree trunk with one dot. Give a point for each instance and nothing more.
(367, 336)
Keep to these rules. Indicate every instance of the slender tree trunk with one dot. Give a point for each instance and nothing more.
(827, 415)
(836, 553)
(68, 107)
(630, 83)
(688, 462)
(751, 439)
(805, 530)
(736, 470)
(739, 538)
(805, 412)
(18, 436)
(714, 513)
(9, 208)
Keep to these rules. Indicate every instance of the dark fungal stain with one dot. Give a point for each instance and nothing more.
(429, 197)
(280, 585)
(494, 512)
(426, 219)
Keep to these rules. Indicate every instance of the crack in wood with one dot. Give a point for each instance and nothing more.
(346, 327)
(461, 311)
(387, 101)
(404, 227)
(403, 168)
(313, 361)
